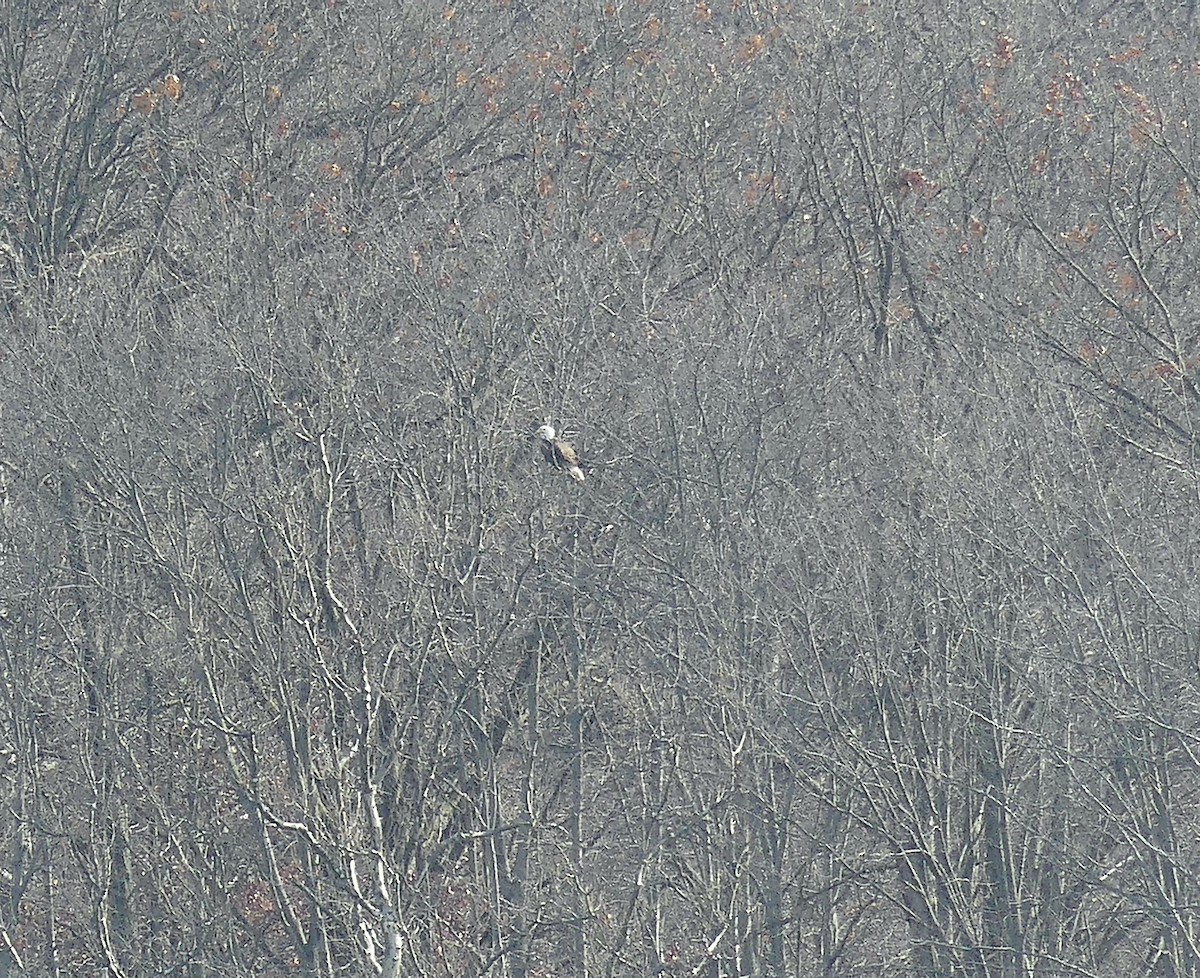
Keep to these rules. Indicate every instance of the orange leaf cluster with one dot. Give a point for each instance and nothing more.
(545, 61)
(144, 102)
(266, 40)
(1060, 88)
(899, 311)
(757, 185)
(1054, 99)
(148, 99)
(1079, 238)
(1002, 56)
(1005, 51)
(1126, 282)
(640, 57)
(1169, 374)
(908, 180)
(753, 47)
(1131, 53)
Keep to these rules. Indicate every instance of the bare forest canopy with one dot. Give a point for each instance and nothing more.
(871, 643)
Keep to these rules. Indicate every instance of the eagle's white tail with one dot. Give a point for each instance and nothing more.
(576, 473)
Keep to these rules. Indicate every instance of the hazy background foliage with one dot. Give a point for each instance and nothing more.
(870, 645)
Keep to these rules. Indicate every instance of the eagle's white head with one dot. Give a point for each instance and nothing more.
(546, 432)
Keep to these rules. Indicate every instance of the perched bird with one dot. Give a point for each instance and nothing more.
(559, 453)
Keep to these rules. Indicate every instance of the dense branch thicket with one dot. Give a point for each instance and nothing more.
(868, 647)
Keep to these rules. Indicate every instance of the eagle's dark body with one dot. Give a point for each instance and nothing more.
(560, 454)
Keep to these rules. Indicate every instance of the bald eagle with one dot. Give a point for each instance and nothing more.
(559, 453)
